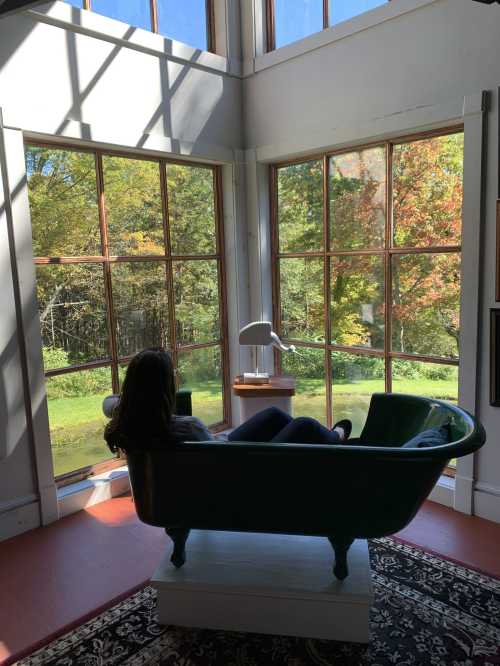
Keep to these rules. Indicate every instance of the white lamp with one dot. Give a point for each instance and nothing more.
(260, 334)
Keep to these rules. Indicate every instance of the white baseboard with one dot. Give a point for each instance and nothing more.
(487, 502)
(19, 516)
(100, 488)
(443, 492)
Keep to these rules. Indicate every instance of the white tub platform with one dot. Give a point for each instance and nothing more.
(266, 583)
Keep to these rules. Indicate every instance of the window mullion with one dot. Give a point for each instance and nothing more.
(223, 327)
(326, 14)
(154, 15)
(270, 25)
(210, 25)
(275, 286)
(108, 289)
(327, 292)
(388, 270)
(168, 263)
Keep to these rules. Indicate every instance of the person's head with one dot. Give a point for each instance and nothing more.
(147, 400)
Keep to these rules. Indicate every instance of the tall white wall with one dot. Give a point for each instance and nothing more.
(401, 66)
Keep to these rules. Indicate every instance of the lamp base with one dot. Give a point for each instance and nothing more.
(256, 378)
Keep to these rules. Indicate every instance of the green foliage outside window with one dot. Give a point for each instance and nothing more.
(94, 286)
(424, 291)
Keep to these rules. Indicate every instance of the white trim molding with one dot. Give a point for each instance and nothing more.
(487, 502)
(22, 515)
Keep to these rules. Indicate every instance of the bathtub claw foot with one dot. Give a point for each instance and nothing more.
(179, 536)
(340, 547)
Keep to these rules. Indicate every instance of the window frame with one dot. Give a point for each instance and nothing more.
(387, 252)
(106, 260)
(153, 13)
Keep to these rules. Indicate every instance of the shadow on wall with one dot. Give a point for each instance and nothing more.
(110, 84)
(12, 401)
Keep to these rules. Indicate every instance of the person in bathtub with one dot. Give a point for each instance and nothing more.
(144, 414)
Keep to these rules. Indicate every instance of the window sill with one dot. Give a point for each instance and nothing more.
(337, 32)
(64, 15)
(95, 489)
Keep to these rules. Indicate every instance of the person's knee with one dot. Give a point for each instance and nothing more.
(305, 422)
(274, 413)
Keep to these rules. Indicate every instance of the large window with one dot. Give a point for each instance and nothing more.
(291, 20)
(366, 245)
(188, 21)
(128, 255)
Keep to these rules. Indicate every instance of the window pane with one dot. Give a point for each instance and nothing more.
(357, 199)
(426, 304)
(184, 21)
(72, 310)
(76, 418)
(134, 12)
(201, 371)
(63, 202)
(296, 19)
(302, 299)
(191, 210)
(196, 288)
(141, 306)
(300, 207)
(308, 368)
(432, 380)
(75, 3)
(357, 299)
(355, 378)
(133, 206)
(341, 10)
(427, 191)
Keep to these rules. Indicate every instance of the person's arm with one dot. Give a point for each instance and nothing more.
(190, 428)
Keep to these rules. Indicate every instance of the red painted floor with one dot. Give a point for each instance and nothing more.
(52, 577)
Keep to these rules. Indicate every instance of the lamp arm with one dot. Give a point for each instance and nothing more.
(276, 342)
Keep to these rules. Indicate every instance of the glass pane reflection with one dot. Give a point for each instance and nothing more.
(302, 299)
(296, 19)
(308, 368)
(357, 199)
(141, 305)
(354, 379)
(201, 371)
(426, 304)
(358, 301)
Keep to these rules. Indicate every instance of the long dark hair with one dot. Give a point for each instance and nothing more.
(147, 401)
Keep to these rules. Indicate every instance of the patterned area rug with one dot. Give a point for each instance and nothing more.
(426, 611)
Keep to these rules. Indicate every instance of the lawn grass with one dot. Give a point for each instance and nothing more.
(77, 424)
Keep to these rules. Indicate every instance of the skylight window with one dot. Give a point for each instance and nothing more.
(341, 10)
(297, 19)
(134, 12)
(291, 20)
(187, 21)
